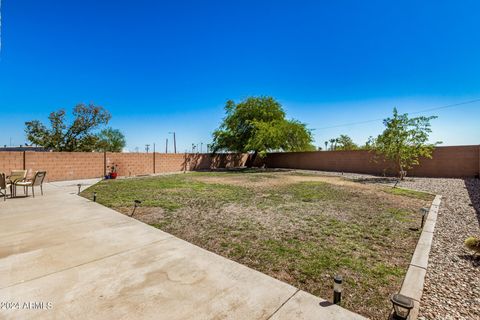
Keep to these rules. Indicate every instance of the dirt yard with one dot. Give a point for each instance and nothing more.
(299, 227)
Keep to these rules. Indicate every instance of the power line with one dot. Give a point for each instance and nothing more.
(416, 112)
(447, 106)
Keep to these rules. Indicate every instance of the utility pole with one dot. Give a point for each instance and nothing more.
(147, 147)
(174, 142)
(166, 145)
(154, 157)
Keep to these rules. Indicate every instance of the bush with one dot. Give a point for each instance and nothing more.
(473, 244)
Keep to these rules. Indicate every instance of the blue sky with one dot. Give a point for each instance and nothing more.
(170, 66)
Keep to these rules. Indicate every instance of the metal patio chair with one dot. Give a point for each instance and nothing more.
(15, 177)
(36, 181)
(4, 185)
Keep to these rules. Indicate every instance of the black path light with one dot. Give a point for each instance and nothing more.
(135, 205)
(79, 186)
(337, 289)
(402, 305)
(424, 212)
(94, 197)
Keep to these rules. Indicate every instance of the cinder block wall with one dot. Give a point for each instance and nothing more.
(171, 162)
(11, 161)
(84, 165)
(449, 162)
(346, 161)
(130, 164)
(65, 165)
(195, 161)
(458, 161)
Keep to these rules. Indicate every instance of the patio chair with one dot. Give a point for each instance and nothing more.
(15, 177)
(36, 181)
(4, 185)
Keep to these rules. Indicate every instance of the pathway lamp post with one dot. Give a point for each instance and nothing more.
(402, 305)
(424, 212)
(337, 289)
(136, 203)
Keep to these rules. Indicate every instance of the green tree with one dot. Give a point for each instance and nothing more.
(258, 125)
(110, 140)
(344, 142)
(404, 141)
(76, 136)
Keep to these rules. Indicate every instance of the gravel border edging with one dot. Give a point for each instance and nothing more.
(412, 285)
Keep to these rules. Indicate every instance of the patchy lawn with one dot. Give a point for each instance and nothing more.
(298, 227)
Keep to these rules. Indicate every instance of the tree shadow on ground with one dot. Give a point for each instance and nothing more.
(473, 188)
(251, 170)
(377, 180)
(473, 259)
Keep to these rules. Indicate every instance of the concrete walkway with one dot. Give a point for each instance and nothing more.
(65, 257)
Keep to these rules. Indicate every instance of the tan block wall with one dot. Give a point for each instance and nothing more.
(209, 161)
(196, 161)
(450, 162)
(11, 161)
(130, 164)
(458, 161)
(66, 165)
(346, 161)
(171, 162)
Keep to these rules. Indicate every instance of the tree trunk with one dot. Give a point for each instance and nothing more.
(401, 173)
(251, 161)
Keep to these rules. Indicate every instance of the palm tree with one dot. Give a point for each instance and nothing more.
(326, 145)
(332, 146)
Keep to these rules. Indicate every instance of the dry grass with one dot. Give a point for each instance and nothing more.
(301, 228)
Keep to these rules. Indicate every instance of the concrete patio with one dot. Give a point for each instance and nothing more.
(65, 257)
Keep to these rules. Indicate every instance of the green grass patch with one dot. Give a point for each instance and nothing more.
(410, 193)
(168, 192)
(299, 232)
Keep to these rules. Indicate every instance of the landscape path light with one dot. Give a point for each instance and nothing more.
(424, 212)
(135, 205)
(402, 305)
(94, 197)
(79, 186)
(337, 289)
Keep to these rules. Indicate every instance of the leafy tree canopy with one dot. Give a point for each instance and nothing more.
(76, 136)
(258, 125)
(404, 140)
(110, 140)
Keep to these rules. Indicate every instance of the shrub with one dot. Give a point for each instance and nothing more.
(473, 244)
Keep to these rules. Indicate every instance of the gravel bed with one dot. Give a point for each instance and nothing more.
(452, 284)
